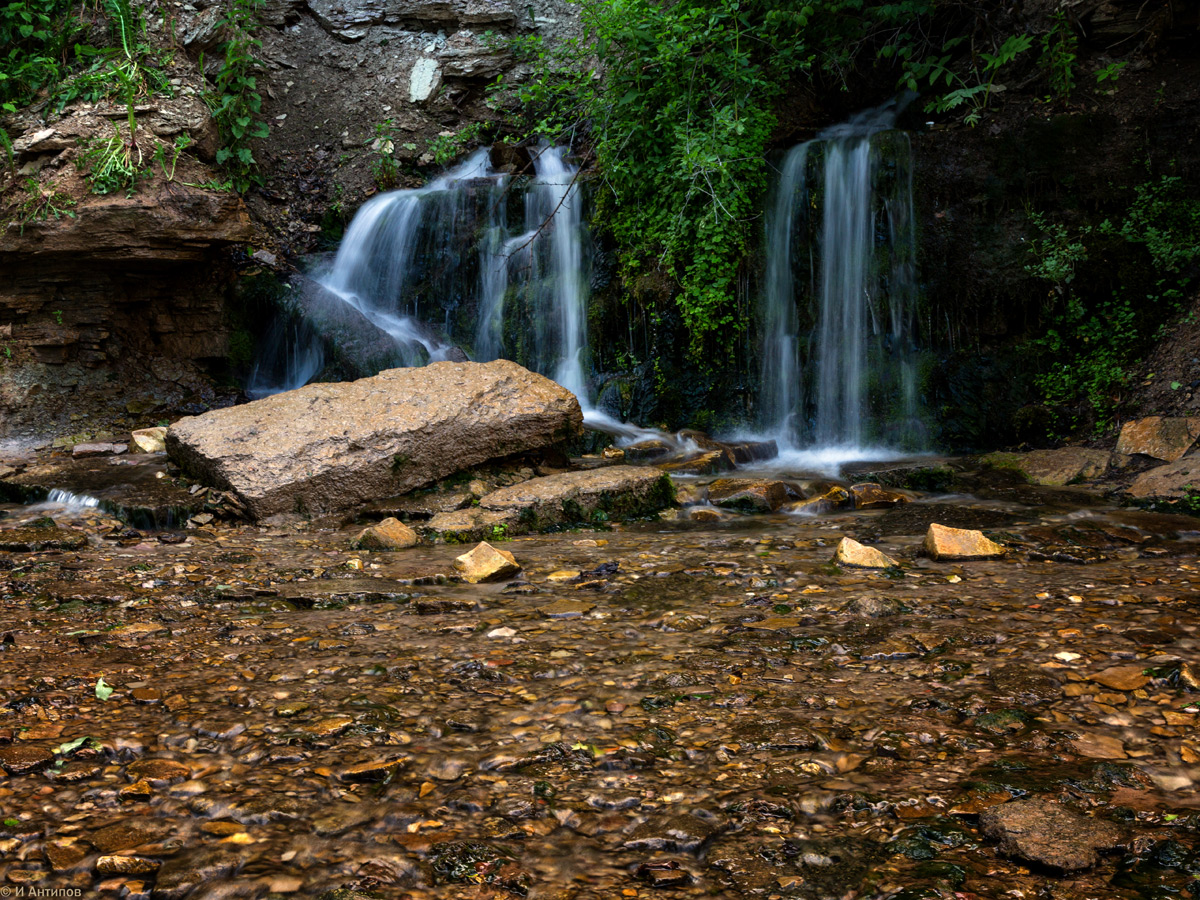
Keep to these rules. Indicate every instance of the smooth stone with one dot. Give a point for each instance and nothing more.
(1099, 746)
(486, 563)
(1168, 439)
(591, 496)
(1122, 678)
(149, 440)
(159, 772)
(942, 543)
(1054, 468)
(852, 553)
(746, 496)
(390, 534)
(869, 495)
(24, 760)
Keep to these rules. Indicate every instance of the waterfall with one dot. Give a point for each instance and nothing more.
(545, 263)
(448, 244)
(293, 356)
(843, 243)
(406, 241)
(780, 322)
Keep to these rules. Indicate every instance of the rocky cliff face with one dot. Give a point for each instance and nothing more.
(115, 307)
(340, 72)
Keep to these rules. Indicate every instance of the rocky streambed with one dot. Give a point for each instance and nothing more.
(691, 708)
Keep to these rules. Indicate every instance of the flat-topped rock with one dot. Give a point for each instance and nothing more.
(466, 525)
(1161, 437)
(329, 447)
(1048, 834)
(869, 495)
(594, 497)
(708, 462)
(743, 495)
(1054, 468)
(1170, 482)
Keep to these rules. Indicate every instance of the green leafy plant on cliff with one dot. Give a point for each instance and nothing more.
(971, 90)
(41, 204)
(1059, 46)
(234, 100)
(446, 148)
(112, 163)
(36, 38)
(1134, 270)
(385, 168)
(677, 104)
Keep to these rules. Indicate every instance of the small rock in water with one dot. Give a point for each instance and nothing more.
(748, 496)
(870, 495)
(942, 543)
(1041, 832)
(486, 563)
(852, 553)
(1122, 678)
(84, 451)
(390, 534)
(835, 497)
(149, 440)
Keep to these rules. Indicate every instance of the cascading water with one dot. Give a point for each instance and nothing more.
(449, 243)
(405, 241)
(294, 356)
(545, 266)
(843, 242)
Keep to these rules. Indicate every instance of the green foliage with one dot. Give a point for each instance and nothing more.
(161, 151)
(113, 163)
(42, 204)
(974, 89)
(43, 54)
(384, 168)
(680, 124)
(36, 36)
(446, 148)
(1059, 47)
(234, 100)
(1110, 73)
(1136, 270)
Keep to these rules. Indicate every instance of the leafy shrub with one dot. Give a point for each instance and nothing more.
(1136, 270)
(234, 100)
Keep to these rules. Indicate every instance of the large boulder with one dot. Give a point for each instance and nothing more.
(1173, 481)
(1054, 467)
(329, 447)
(589, 497)
(1167, 439)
